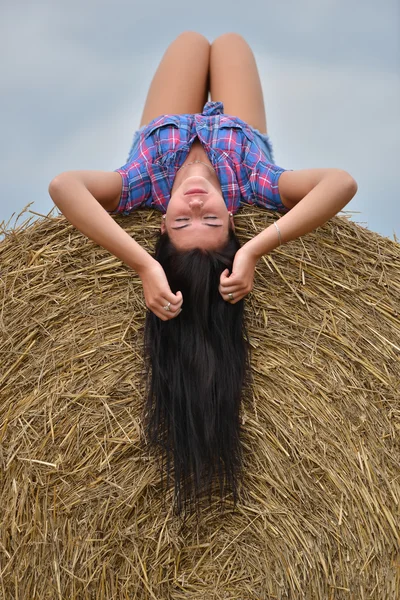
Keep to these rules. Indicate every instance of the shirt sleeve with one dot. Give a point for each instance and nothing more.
(264, 181)
(136, 188)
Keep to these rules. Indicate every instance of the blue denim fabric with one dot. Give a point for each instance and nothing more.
(135, 142)
(264, 141)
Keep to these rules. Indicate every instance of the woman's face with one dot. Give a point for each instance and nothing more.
(197, 216)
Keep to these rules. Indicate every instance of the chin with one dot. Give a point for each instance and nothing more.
(196, 177)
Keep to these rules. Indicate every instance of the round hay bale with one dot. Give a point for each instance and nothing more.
(83, 516)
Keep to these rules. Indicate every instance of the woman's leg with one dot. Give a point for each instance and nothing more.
(180, 84)
(234, 80)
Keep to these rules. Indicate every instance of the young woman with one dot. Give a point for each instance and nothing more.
(196, 162)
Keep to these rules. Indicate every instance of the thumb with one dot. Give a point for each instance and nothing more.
(224, 275)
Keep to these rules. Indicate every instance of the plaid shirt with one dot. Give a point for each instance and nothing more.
(244, 171)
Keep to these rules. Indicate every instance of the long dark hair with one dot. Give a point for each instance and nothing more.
(198, 367)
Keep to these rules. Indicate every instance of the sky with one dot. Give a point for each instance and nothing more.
(74, 76)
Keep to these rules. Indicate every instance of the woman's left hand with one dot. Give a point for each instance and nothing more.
(240, 282)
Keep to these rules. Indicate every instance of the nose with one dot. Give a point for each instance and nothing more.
(196, 203)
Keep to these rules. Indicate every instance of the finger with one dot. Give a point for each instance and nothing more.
(224, 275)
(229, 281)
(236, 298)
(160, 315)
(237, 294)
(171, 307)
(236, 289)
(167, 316)
(230, 289)
(176, 308)
(174, 305)
(173, 298)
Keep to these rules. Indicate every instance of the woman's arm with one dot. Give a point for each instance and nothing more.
(73, 193)
(70, 192)
(316, 196)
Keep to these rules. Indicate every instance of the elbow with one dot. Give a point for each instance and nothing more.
(57, 186)
(353, 186)
(345, 187)
(349, 183)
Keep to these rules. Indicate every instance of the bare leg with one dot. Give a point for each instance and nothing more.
(234, 80)
(180, 84)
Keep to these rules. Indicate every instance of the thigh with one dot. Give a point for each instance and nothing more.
(234, 80)
(180, 84)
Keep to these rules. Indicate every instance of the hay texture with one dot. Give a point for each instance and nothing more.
(82, 516)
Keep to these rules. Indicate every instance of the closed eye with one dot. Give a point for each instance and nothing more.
(189, 224)
(187, 218)
(180, 219)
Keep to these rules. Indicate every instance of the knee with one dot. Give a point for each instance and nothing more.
(193, 37)
(229, 38)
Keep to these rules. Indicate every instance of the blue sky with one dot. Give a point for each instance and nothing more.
(76, 74)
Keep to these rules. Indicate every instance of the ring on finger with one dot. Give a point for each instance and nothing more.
(167, 306)
(230, 297)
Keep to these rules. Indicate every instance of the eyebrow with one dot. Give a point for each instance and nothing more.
(188, 225)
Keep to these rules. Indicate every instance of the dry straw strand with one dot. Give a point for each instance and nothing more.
(83, 515)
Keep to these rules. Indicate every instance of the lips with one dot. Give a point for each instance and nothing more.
(195, 191)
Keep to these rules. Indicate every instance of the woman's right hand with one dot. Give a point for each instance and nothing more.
(158, 294)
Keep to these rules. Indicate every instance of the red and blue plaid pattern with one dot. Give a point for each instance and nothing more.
(243, 169)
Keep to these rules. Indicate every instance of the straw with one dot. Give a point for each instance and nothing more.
(82, 514)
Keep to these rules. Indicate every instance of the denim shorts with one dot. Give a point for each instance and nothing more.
(262, 139)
